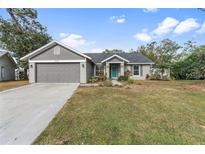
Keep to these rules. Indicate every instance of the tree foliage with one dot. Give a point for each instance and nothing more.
(22, 33)
(185, 62)
(113, 51)
(162, 53)
(192, 67)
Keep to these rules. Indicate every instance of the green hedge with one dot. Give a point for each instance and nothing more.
(123, 78)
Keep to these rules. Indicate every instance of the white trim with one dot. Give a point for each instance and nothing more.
(52, 42)
(94, 73)
(114, 56)
(139, 71)
(115, 62)
(56, 61)
(139, 63)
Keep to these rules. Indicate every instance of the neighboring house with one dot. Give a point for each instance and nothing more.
(58, 63)
(7, 66)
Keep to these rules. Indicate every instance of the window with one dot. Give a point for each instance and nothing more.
(56, 50)
(136, 70)
(2, 72)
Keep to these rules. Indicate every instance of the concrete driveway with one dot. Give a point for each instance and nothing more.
(26, 111)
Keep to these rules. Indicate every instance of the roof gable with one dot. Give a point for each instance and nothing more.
(115, 55)
(6, 53)
(52, 43)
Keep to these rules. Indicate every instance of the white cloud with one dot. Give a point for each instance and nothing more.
(186, 25)
(143, 37)
(150, 10)
(118, 19)
(97, 50)
(202, 29)
(166, 26)
(63, 34)
(122, 20)
(75, 41)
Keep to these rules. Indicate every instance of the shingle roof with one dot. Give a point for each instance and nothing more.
(2, 53)
(134, 57)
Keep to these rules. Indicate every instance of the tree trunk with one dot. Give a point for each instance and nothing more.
(162, 73)
(11, 13)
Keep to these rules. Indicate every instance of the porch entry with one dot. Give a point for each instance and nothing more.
(114, 71)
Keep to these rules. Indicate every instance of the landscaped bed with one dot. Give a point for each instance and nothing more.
(11, 84)
(145, 112)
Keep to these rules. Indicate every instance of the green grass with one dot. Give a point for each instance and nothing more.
(152, 112)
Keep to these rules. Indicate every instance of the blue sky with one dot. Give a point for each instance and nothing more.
(92, 30)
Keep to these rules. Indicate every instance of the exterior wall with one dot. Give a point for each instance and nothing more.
(128, 68)
(32, 70)
(89, 70)
(144, 70)
(65, 54)
(9, 68)
(122, 69)
(83, 78)
(107, 69)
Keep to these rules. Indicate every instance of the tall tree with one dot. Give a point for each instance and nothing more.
(162, 53)
(187, 49)
(192, 66)
(22, 33)
(149, 50)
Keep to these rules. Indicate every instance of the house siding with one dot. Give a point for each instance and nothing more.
(65, 54)
(144, 70)
(32, 70)
(9, 68)
(89, 70)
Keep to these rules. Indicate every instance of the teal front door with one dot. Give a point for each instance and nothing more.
(113, 71)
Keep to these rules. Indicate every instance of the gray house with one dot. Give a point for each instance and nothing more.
(58, 63)
(7, 66)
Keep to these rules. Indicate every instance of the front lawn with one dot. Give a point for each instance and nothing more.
(146, 112)
(5, 85)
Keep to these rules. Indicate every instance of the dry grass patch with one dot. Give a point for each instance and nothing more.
(11, 84)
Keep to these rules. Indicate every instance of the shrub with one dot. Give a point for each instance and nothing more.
(93, 79)
(147, 76)
(166, 78)
(123, 78)
(101, 75)
(107, 83)
(130, 81)
(155, 76)
(127, 73)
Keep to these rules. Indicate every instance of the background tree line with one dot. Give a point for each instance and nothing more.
(185, 62)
